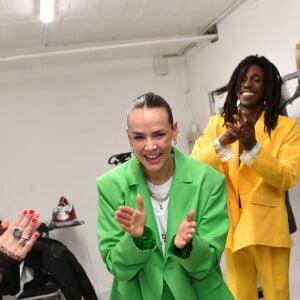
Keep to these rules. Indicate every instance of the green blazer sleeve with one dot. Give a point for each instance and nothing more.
(212, 224)
(118, 249)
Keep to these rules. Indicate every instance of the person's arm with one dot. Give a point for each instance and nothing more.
(16, 241)
(278, 162)
(208, 147)
(123, 254)
(202, 254)
(9, 273)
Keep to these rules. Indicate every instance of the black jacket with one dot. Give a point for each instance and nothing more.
(52, 260)
(10, 281)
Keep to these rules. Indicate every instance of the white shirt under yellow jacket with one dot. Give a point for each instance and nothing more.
(256, 191)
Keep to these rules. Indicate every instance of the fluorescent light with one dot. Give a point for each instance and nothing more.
(46, 10)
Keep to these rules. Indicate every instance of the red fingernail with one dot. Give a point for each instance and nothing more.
(33, 219)
(36, 234)
(31, 211)
(24, 212)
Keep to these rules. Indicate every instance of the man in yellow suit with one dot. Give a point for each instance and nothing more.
(258, 150)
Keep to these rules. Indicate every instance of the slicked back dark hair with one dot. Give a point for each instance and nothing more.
(272, 90)
(151, 100)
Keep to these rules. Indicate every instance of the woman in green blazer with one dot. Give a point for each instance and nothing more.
(162, 216)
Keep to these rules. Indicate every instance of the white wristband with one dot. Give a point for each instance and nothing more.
(249, 156)
(224, 153)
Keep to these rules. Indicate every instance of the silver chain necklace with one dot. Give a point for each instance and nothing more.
(159, 200)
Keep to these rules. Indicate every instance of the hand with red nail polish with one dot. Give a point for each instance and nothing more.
(16, 240)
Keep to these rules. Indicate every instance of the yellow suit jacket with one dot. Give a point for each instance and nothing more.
(262, 218)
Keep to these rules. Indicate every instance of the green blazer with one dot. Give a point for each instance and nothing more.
(148, 274)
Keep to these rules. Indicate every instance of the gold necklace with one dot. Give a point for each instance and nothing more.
(158, 199)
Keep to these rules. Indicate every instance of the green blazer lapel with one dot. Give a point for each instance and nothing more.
(180, 194)
(137, 185)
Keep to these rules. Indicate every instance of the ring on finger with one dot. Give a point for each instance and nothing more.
(17, 233)
(23, 240)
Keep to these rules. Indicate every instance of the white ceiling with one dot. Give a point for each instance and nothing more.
(121, 28)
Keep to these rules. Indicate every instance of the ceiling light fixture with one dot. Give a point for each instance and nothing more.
(46, 11)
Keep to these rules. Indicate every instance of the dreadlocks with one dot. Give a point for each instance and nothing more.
(272, 90)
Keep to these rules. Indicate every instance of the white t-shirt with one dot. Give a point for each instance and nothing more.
(161, 214)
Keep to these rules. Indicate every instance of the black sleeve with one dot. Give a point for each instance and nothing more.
(10, 275)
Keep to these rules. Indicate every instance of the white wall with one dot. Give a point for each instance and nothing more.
(264, 27)
(59, 126)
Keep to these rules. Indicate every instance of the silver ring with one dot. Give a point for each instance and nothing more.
(23, 241)
(17, 233)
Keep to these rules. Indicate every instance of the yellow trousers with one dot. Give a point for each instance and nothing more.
(269, 264)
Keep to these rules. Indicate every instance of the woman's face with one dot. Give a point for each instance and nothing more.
(151, 135)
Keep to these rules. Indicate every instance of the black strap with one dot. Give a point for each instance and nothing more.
(291, 217)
